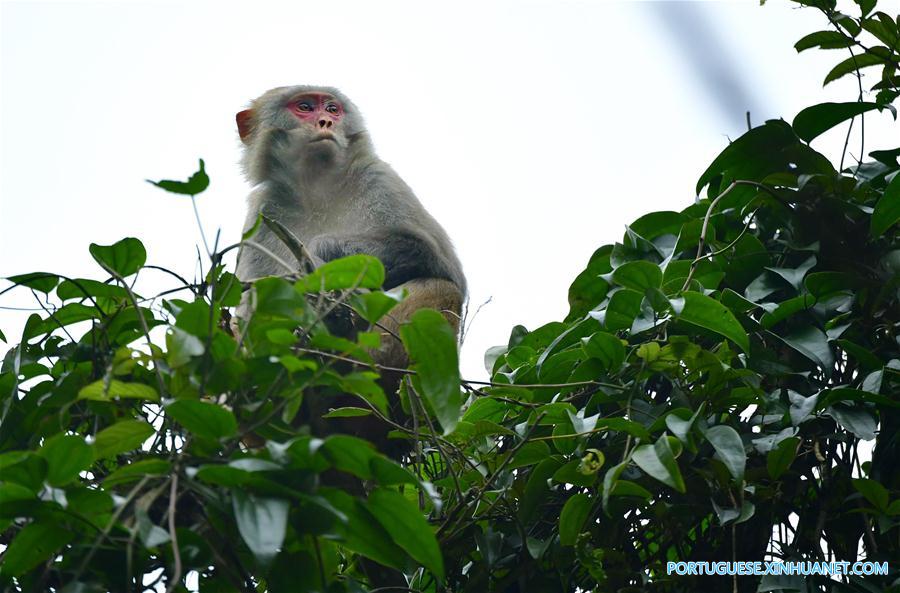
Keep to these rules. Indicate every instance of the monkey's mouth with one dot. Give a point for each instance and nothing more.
(326, 136)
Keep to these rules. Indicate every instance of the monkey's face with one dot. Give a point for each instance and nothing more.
(306, 125)
(319, 123)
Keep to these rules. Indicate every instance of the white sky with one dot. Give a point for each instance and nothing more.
(97, 97)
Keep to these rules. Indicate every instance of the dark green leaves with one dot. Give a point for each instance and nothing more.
(824, 40)
(853, 64)
(817, 119)
(355, 271)
(638, 275)
(407, 527)
(197, 182)
(67, 456)
(33, 545)
(780, 458)
(121, 437)
(887, 210)
(574, 514)
(727, 443)
(605, 347)
(706, 312)
(202, 418)
(39, 281)
(712, 363)
(431, 344)
(115, 389)
(658, 461)
(262, 523)
(122, 258)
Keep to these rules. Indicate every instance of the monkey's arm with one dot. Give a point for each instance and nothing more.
(406, 255)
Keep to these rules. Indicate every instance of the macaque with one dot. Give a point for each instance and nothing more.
(315, 172)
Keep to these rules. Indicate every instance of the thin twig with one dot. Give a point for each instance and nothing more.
(703, 230)
(173, 535)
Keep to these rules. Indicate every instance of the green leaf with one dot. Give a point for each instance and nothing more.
(349, 454)
(579, 472)
(857, 420)
(531, 453)
(883, 28)
(782, 456)
(606, 348)
(709, 313)
(812, 343)
(122, 436)
(81, 288)
(363, 533)
(122, 258)
(182, 347)
(197, 182)
(151, 534)
(345, 273)
(574, 513)
(813, 121)
(655, 224)
(824, 284)
(65, 315)
(408, 528)
(348, 412)
(801, 406)
(626, 488)
(638, 275)
(679, 426)
(137, 470)
(794, 276)
(431, 344)
(588, 288)
(262, 523)
(887, 210)
(33, 545)
(750, 154)
(852, 64)
(536, 487)
(658, 461)
(728, 445)
(866, 6)
(372, 306)
(67, 456)
(97, 391)
(824, 40)
(874, 492)
(610, 480)
(623, 307)
(39, 281)
(364, 384)
(203, 419)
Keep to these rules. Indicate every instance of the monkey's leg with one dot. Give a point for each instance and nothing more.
(423, 293)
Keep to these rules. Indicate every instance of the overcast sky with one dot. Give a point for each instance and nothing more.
(534, 131)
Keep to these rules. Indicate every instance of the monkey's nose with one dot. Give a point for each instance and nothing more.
(325, 123)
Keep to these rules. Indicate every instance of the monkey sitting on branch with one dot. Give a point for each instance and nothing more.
(315, 173)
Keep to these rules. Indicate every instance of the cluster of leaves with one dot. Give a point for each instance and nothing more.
(125, 452)
(719, 381)
(713, 394)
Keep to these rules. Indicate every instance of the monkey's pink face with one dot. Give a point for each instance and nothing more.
(320, 111)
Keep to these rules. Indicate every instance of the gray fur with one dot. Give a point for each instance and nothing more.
(337, 197)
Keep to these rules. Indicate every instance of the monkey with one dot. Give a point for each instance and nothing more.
(314, 170)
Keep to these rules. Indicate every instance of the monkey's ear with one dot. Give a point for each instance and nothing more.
(245, 124)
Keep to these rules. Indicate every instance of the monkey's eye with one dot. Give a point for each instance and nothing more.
(304, 106)
(331, 108)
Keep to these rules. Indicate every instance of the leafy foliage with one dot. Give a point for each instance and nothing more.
(712, 395)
